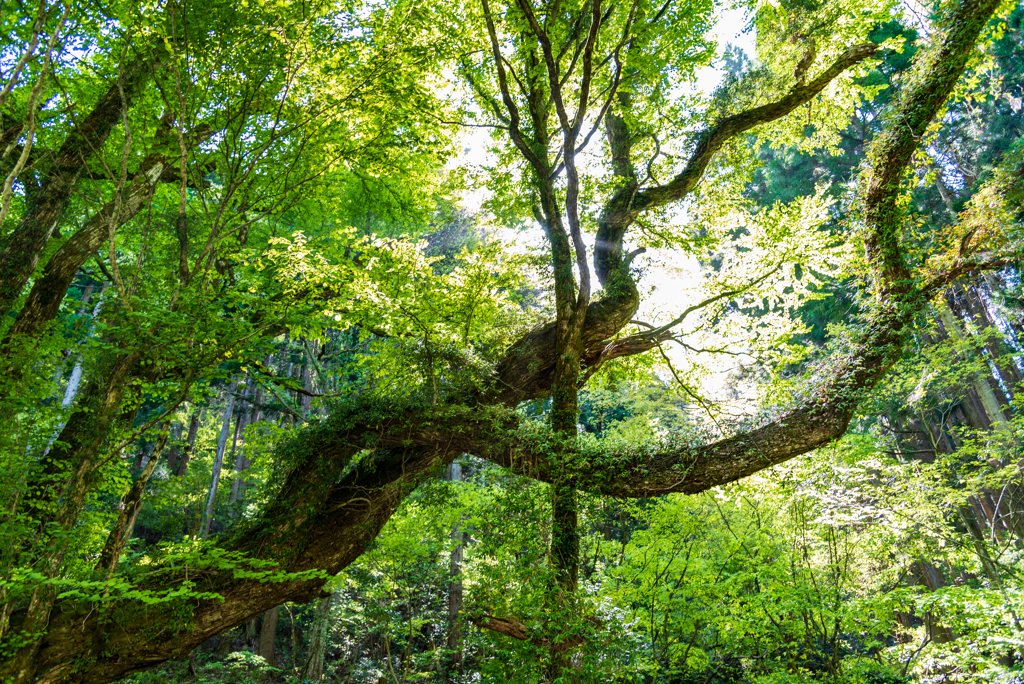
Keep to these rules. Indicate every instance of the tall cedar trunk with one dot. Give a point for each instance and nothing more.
(1002, 354)
(565, 539)
(313, 667)
(978, 538)
(930, 577)
(242, 462)
(305, 401)
(964, 313)
(982, 383)
(235, 455)
(268, 636)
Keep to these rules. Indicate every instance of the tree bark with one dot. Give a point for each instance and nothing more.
(190, 444)
(982, 383)
(243, 462)
(268, 636)
(128, 511)
(174, 453)
(327, 509)
(313, 667)
(930, 577)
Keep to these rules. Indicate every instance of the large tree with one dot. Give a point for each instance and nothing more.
(248, 110)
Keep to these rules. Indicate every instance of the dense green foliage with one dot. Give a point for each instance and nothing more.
(246, 322)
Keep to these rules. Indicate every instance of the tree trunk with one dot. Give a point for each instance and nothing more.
(243, 462)
(226, 644)
(190, 444)
(1001, 352)
(981, 383)
(128, 511)
(46, 205)
(174, 453)
(235, 455)
(48, 291)
(930, 577)
(313, 667)
(218, 461)
(268, 636)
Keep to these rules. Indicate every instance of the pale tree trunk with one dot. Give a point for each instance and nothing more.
(242, 462)
(218, 461)
(75, 381)
(995, 341)
(235, 455)
(981, 383)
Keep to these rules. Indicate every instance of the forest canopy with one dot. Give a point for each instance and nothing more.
(486, 343)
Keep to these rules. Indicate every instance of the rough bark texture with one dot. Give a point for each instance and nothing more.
(49, 290)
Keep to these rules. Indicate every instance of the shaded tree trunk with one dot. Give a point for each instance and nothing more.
(268, 636)
(190, 444)
(313, 667)
(930, 577)
(128, 511)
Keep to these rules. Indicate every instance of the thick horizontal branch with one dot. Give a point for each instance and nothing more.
(329, 506)
(516, 629)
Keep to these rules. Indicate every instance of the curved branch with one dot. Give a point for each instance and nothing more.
(933, 79)
(626, 204)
